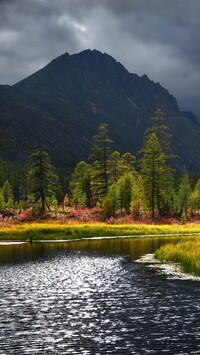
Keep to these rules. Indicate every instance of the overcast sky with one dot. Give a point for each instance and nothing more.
(159, 38)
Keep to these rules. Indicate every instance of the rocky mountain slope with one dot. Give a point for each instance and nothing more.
(65, 102)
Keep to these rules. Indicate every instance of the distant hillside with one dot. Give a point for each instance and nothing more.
(66, 101)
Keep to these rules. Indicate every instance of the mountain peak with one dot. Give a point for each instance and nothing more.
(74, 94)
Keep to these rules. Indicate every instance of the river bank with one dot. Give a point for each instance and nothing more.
(186, 252)
(57, 231)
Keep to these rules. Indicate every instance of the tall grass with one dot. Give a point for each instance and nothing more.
(44, 231)
(186, 252)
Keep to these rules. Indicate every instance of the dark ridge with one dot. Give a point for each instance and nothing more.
(66, 101)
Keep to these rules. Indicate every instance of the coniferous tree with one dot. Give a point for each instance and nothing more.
(2, 201)
(184, 193)
(125, 185)
(8, 194)
(42, 179)
(165, 191)
(110, 203)
(80, 185)
(18, 180)
(152, 168)
(195, 197)
(138, 200)
(100, 158)
(115, 167)
(127, 163)
(162, 132)
(163, 187)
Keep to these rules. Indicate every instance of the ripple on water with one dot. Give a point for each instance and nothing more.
(80, 303)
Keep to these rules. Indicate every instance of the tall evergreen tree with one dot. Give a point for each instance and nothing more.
(18, 180)
(115, 167)
(42, 179)
(195, 197)
(8, 194)
(163, 187)
(152, 168)
(125, 186)
(80, 184)
(138, 200)
(110, 203)
(2, 201)
(162, 132)
(127, 163)
(100, 156)
(184, 193)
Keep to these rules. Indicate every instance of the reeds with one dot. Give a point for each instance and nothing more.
(186, 252)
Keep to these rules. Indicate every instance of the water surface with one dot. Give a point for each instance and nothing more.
(92, 298)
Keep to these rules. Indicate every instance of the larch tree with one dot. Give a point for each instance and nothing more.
(184, 193)
(42, 179)
(128, 163)
(152, 168)
(125, 186)
(138, 201)
(161, 130)
(8, 194)
(115, 167)
(164, 181)
(195, 197)
(80, 184)
(100, 158)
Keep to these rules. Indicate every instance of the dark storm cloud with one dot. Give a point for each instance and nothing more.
(156, 37)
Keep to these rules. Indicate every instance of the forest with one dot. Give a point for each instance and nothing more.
(109, 186)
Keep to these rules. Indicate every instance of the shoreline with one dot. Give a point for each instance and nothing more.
(78, 231)
(50, 234)
(134, 236)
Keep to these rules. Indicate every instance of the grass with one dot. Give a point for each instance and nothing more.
(48, 231)
(186, 252)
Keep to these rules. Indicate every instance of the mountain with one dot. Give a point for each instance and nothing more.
(65, 102)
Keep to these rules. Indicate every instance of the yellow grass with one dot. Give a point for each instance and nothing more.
(186, 252)
(55, 230)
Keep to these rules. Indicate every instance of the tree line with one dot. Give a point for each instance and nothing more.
(121, 185)
(117, 183)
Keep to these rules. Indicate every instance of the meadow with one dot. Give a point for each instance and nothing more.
(57, 231)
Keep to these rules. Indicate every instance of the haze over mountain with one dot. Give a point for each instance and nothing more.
(65, 102)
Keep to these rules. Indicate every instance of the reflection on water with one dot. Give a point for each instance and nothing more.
(93, 300)
(132, 247)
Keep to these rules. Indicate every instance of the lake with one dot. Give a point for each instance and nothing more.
(91, 297)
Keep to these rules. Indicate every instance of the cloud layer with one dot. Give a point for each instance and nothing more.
(154, 37)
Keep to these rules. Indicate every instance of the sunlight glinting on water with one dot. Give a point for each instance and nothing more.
(81, 302)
